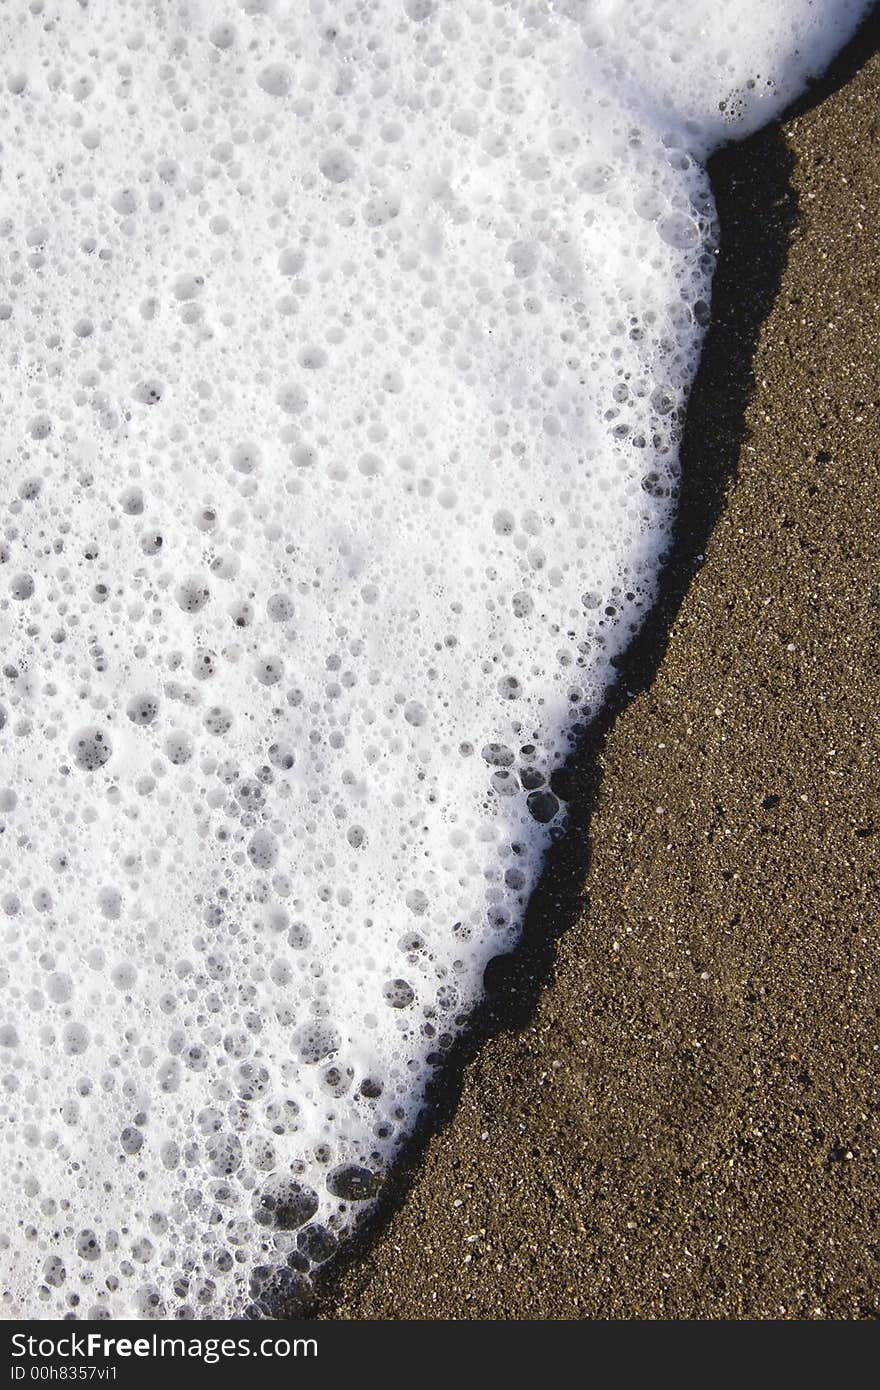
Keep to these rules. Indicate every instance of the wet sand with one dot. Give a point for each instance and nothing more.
(669, 1106)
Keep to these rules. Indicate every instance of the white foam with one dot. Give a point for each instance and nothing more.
(344, 351)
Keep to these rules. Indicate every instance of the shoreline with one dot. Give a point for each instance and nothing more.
(655, 1065)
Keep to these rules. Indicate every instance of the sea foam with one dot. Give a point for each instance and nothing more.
(344, 349)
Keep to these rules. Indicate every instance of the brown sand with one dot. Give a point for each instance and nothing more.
(683, 1121)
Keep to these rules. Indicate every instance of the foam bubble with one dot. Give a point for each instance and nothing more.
(343, 351)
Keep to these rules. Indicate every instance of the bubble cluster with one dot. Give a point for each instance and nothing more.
(343, 355)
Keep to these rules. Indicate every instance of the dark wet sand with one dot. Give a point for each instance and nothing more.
(669, 1107)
